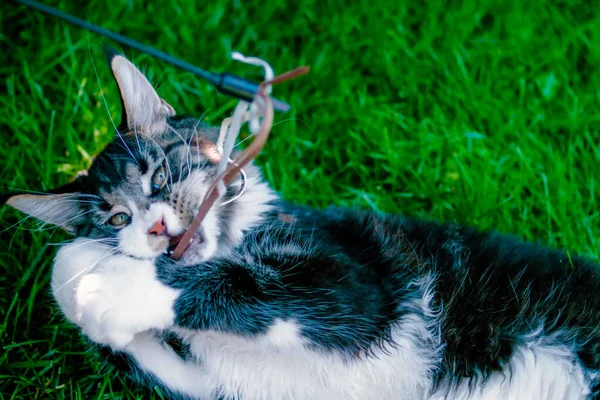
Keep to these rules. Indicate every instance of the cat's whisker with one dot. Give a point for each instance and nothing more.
(75, 246)
(137, 140)
(166, 161)
(85, 271)
(242, 141)
(146, 142)
(187, 147)
(73, 200)
(17, 225)
(101, 240)
(291, 119)
(158, 85)
(19, 228)
(34, 192)
(180, 174)
(106, 105)
(43, 225)
(120, 158)
(196, 135)
(95, 196)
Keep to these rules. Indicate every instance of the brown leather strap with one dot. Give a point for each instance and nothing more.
(286, 76)
(228, 175)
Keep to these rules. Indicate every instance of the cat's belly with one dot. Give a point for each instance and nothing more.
(278, 365)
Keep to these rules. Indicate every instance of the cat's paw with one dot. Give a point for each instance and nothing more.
(99, 315)
(72, 262)
(122, 299)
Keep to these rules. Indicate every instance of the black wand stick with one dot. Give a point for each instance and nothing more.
(226, 83)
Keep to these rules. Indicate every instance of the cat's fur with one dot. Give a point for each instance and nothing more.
(275, 301)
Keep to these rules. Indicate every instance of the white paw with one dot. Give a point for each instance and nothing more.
(100, 316)
(72, 262)
(120, 298)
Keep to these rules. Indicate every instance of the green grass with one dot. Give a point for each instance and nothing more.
(483, 113)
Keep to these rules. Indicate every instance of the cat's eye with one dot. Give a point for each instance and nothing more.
(159, 179)
(119, 219)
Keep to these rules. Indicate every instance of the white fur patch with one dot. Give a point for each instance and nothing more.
(145, 183)
(538, 370)
(285, 334)
(71, 264)
(255, 198)
(162, 362)
(166, 212)
(114, 298)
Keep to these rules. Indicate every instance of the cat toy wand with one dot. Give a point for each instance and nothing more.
(226, 83)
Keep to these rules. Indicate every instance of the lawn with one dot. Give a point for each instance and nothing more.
(484, 112)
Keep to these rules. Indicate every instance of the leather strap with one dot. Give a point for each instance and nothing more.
(233, 169)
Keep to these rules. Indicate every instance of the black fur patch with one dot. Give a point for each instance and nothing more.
(345, 277)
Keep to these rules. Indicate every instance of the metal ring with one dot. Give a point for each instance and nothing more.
(242, 188)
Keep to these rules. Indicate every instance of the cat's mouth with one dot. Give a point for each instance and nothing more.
(197, 240)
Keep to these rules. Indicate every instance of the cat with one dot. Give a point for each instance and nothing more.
(278, 301)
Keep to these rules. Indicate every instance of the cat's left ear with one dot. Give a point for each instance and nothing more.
(145, 112)
(61, 207)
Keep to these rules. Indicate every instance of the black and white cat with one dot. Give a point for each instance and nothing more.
(274, 301)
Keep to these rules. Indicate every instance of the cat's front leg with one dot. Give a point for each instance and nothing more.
(123, 299)
(115, 297)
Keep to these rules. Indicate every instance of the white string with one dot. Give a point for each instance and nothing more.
(269, 74)
(255, 107)
(244, 111)
(222, 133)
(232, 134)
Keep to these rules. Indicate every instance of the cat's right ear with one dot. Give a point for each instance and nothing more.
(143, 111)
(61, 208)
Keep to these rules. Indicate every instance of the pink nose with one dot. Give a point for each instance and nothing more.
(158, 228)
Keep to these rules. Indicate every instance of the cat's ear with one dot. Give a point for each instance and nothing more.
(63, 210)
(144, 111)
(61, 207)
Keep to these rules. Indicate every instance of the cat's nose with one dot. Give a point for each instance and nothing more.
(158, 228)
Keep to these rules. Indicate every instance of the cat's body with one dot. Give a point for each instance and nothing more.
(350, 305)
(275, 301)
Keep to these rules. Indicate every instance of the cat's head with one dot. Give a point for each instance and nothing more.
(146, 186)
